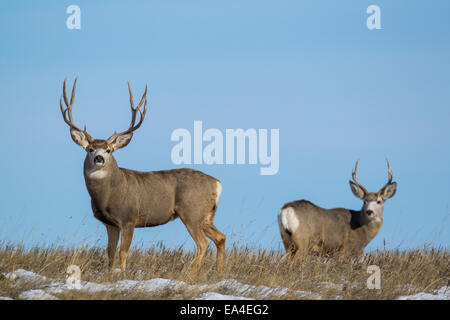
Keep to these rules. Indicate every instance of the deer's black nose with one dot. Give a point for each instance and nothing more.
(369, 212)
(99, 160)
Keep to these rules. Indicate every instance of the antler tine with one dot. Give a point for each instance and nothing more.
(64, 94)
(144, 96)
(63, 112)
(142, 113)
(72, 98)
(131, 96)
(67, 112)
(69, 106)
(355, 178)
(354, 172)
(134, 112)
(133, 109)
(390, 175)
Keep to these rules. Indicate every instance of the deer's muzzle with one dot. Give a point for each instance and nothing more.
(99, 160)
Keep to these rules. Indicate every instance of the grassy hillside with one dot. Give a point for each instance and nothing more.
(402, 273)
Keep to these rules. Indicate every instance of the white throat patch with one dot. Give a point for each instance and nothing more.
(97, 174)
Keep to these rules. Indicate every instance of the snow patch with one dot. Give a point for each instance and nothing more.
(47, 287)
(219, 296)
(36, 295)
(235, 286)
(24, 275)
(440, 294)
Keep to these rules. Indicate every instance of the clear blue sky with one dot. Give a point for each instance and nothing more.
(335, 90)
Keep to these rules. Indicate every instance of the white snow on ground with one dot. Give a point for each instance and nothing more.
(440, 294)
(45, 288)
(219, 296)
(48, 286)
(307, 295)
(25, 276)
(36, 295)
(231, 285)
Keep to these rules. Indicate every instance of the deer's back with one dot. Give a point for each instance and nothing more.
(161, 196)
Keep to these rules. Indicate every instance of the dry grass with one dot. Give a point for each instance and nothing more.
(402, 272)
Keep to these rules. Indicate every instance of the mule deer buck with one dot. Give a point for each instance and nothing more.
(307, 228)
(125, 199)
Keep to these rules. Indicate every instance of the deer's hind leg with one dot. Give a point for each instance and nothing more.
(218, 238)
(197, 233)
(302, 246)
(288, 243)
(198, 219)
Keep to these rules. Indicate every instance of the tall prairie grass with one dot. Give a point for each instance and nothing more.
(402, 272)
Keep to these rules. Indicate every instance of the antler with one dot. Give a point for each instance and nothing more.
(68, 110)
(355, 178)
(390, 175)
(134, 112)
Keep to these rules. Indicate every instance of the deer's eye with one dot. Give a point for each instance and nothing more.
(379, 201)
(108, 150)
(91, 150)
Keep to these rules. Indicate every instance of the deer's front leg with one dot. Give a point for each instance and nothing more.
(125, 243)
(113, 239)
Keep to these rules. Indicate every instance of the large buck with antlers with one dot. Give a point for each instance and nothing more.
(125, 199)
(307, 228)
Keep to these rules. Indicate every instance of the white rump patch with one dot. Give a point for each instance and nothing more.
(288, 219)
(218, 190)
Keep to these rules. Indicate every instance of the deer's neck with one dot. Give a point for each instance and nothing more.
(364, 229)
(101, 181)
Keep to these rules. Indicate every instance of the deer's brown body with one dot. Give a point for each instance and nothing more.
(126, 199)
(307, 228)
(161, 196)
(326, 230)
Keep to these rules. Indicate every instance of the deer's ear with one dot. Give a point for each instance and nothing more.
(79, 138)
(357, 190)
(121, 141)
(388, 190)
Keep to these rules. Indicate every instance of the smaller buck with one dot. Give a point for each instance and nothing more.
(307, 228)
(124, 199)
